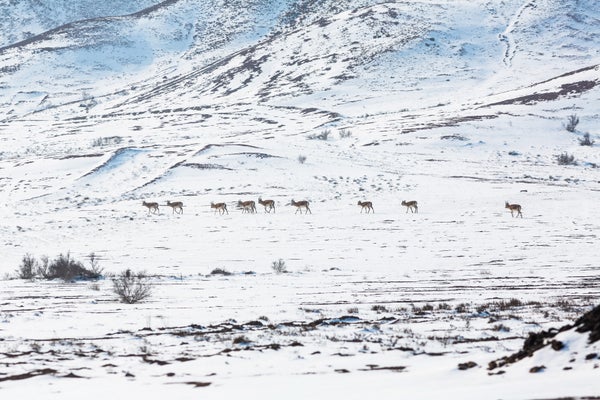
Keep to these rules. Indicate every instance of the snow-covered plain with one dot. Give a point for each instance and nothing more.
(458, 105)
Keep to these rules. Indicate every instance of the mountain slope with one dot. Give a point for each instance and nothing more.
(339, 56)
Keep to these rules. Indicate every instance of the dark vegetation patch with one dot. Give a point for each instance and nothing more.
(467, 365)
(30, 374)
(589, 322)
(220, 271)
(373, 367)
(256, 155)
(92, 155)
(198, 384)
(210, 146)
(62, 267)
(454, 137)
(205, 166)
(566, 89)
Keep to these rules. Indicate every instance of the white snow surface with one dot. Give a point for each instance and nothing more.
(460, 105)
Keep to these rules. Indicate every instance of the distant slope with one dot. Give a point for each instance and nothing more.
(20, 20)
(341, 56)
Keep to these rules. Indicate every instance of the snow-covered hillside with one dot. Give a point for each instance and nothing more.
(459, 105)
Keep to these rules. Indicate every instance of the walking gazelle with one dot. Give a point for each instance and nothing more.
(247, 206)
(300, 205)
(267, 204)
(411, 205)
(366, 205)
(513, 208)
(151, 206)
(221, 207)
(176, 205)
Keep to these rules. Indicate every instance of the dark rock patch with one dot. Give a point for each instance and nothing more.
(467, 365)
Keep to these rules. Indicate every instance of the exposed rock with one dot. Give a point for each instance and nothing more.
(467, 365)
(589, 322)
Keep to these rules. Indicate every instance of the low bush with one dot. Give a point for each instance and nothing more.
(345, 133)
(324, 135)
(586, 140)
(379, 308)
(66, 268)
(62, 267)
(132, 288)
(566, 159)
(28, 267)
(572, 122)
(279, 266)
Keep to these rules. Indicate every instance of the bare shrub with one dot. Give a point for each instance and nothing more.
(504, 305)
(501, 328)
(462, 308)
(301, 159)
(324, 135)
(572, 122)
(132, 288)
(379, 308)
(345, 133)
(279, 266)
(43, 268)
(586, 140)
(95, 268)
(566, 159)
(106, 141)
(28, 267)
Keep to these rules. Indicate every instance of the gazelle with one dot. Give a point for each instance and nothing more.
(366, 205)
(300, 205)
(247, 206)
(411, 205)
(222, 207)
(513, 208)
(176, 205)
(267, 204)
(152, 207)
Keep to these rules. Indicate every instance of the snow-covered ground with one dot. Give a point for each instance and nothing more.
(461, 106)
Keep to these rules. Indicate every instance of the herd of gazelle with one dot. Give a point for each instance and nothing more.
(269, 205)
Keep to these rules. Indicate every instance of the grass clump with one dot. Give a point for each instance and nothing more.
(279, 266)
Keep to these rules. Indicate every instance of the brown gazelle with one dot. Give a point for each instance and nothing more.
(267, 204)
(152, 207)
(247, 206)
(221, 207)
(411, 205)
(176, 205)
(366, 205)
(300, 205)
(513, 208)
